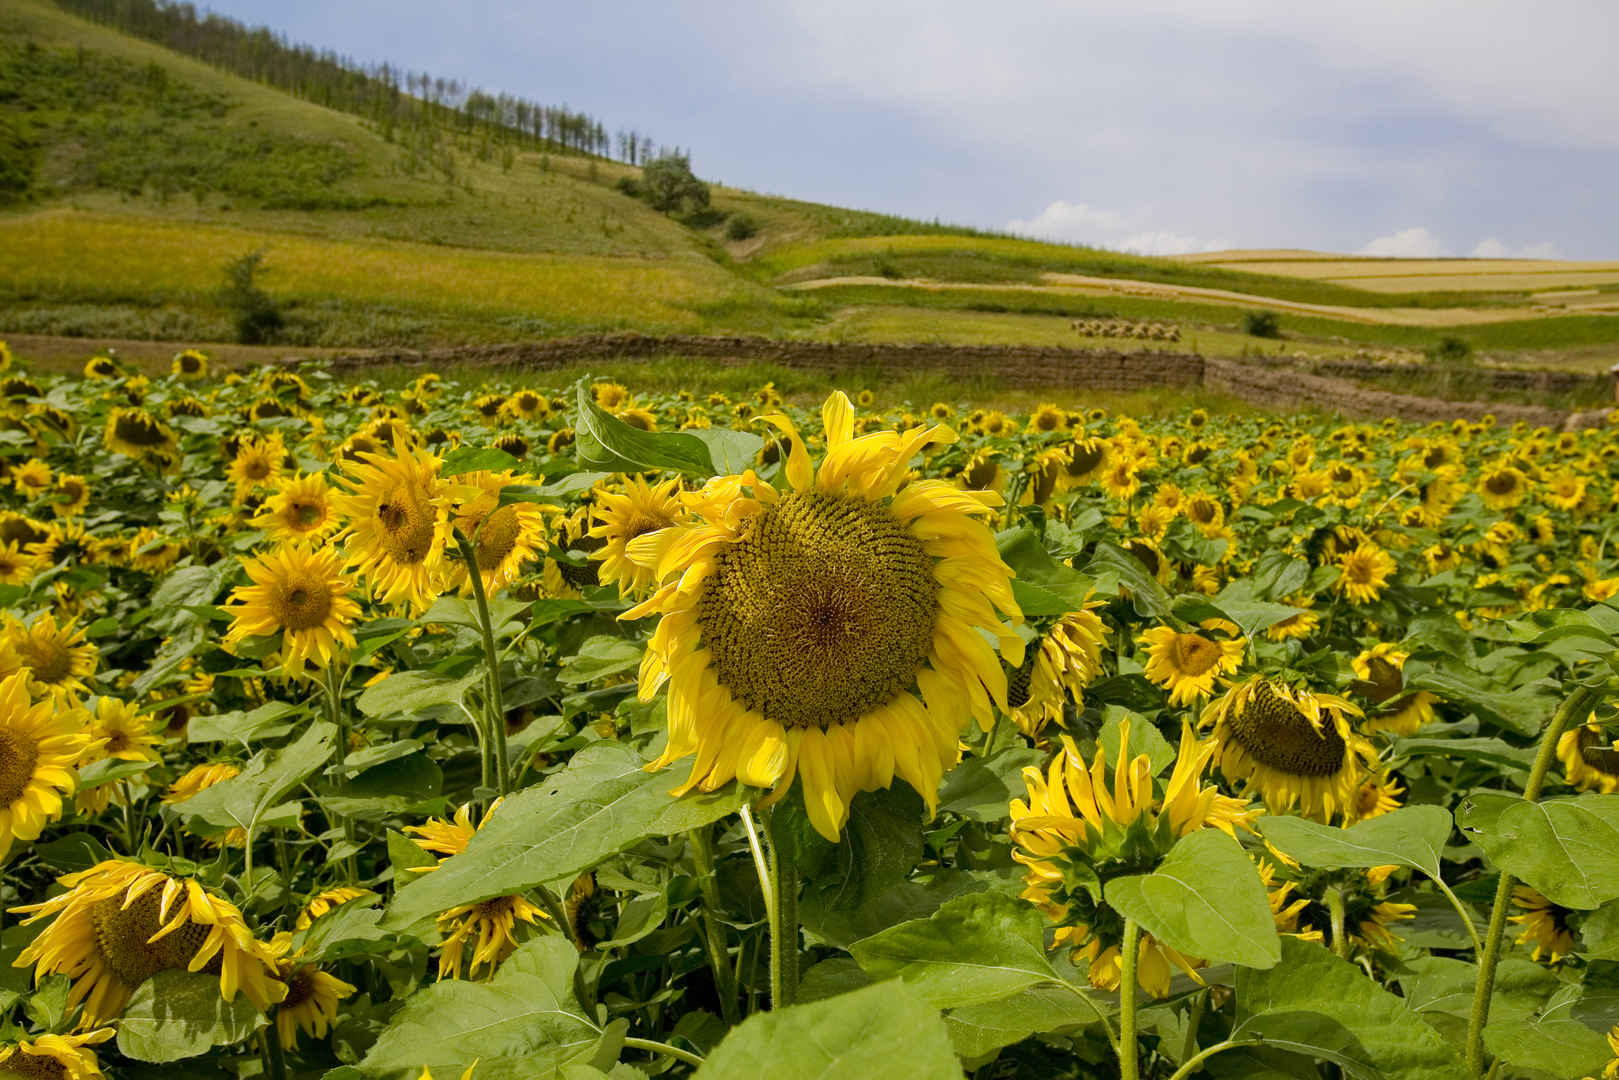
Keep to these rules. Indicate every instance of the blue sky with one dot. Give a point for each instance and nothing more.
(1411, 127)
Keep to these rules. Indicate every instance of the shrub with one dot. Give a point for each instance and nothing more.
(741, 227)
(258, 315)
(1263, 324)
(628, 186)
(670, 184)
(1450, 350)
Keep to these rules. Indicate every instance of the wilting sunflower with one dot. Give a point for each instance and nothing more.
(117, 730)
(1298, 906)
(54, 1057)
(1364, 572)
(1378, 672)
(301, 509)
(327, 899)
(301, 594)
(56, 659)
(40, 748)
(639, 509)
(1545, 925)
(489, 926)
(1293, 746)
(397, 526)
(1084, 825)
(119, 923)
(1066, 661)
(831, 631)
(1085, 458)
(312, 995)
(1590, 760)
(138, 434)
(505, 539)
(1187, 664)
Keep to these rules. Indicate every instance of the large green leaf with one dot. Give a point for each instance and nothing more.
(599, 805)
(1412, 836)
(976, 1030)
(974, 949)
(176, 1015)
(731, 451)
(602, 441)
(846, 881)
(414, 691)
(1114, 567)
(1043, 586)
(1553, 1044)
(1522, 710)
(525, 1021)
(1568, 849)
(883, 1032)
(1205, 899)
(1315, 1004)
(981, 788)
(244, 800)
(465, 459)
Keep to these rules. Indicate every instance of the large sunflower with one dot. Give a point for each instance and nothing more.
(54, 1057)
(56, 659)
(300, 509)
(119, 923)
(1590, 759)
(1082, 827)
(640, 509)
(397, 525)
(1187, 664)
(489, 926)
(1066, 661)
(505, 539)
(40, 747)
(839, 631)
(301, 594)
(1293, 746)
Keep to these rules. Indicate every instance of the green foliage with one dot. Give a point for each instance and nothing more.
(258, 315)
(1262, 324)
(671, 186)
(741, 227)
(1450, 351)
(175, 1015)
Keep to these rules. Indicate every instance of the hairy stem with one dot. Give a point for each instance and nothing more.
(495, 710)
(1128, 957)
(702, 854)
(783, 921)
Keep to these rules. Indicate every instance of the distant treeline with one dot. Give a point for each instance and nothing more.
(386, 95)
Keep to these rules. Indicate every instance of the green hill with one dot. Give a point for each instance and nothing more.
(130, 175)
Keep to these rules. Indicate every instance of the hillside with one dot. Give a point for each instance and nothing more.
(135, 174)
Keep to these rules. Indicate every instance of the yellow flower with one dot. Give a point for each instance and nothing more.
(190, 365)
(31, 479)
(1302, 625)
(1294, 746)
(1379, 674)
(300, 509)
(325, 901)
(138, 434)
(200, 778)
(312, 995)
(40, 747)
(397, 526)
(1298, 905)
(504, 538)
(1082, 825)
(1503, 486)
(640, 509)
(119, 923)
(644, 419)
(1068, 658)
(839, 631)
(609, 395)
(1365, 570)
(117, 730)
(1187, 665)
(56, 659)
(57, 1057)
(302, 595)
(1545, 925)
(1046, 419)
(16, 566)
(1590, 760)
(1378, 795)
(489, 926)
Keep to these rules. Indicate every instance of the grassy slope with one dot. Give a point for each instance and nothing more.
(548, 246)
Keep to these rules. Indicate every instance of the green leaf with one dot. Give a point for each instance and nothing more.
(1278, 575)
(1553, 1044)
(879, 1033)
(466, 459)
(1523, 710)
(1315, 1004)
(604, 442)
(1115, 568)
(976, 948)
(1239, 602)
(176, 1015)
(1043, 586)
(1441, 984)
(243, 800)
(523, 1021)
(348, 930)
(881, 843)
(600, 657)
(268, 721)
(414, 691)
(730, 450)
(1144, 739)
(1600, 933)
(981, 788)
(1411, 836)
(1567, 849)
(978, 1030)
(1205, 899)
(599, 805)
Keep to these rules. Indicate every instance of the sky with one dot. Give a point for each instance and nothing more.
(1395, 127)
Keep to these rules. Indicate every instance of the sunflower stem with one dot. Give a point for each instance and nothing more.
(1580, 702)
(275, 1062)
(1335, 907)
(783, 919)
(653, 1047)
(1194, 1063)
(702, 857)
(760, 866)
(1128, 955)
(495, 704)
(334, 705)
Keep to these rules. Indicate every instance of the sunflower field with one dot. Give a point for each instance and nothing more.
(360, 729)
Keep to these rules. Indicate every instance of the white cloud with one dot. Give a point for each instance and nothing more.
(1413, 243)
(1166, 243)
(1071, 223)
(1543, 250)
(1492, 248)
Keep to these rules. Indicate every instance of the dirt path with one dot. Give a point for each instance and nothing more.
(53, 351)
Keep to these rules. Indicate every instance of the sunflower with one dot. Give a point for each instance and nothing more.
(54, 1057)
(327, 899)
(1301, 625)
(639, 509)
(190, 365)
(302, 594)
(397, 527)
(119, 923)
(16, 567)
(1068, 659)
(1120, 479)
(488, 408)
(300, 509)
(489, 926)
(1085, 458)
(1048, 418)
(1204, 511)
(200, 778)
(1298, 906)
(31, 479)
(102, 367)
(1545, 924)
(56, 659)
(609, 395)
(41, 745)
(642, 419)
(1378, 795)
(1378, 674)
(153, 552)
(1187, 664)
(1364, 572)
(117, 730)
(312, 995)
(1081, 827)
(504, 538)
(138, 434)
(1294, 746)
(1503, 486)
(70, 495)
(832, 630)
(1590, 760)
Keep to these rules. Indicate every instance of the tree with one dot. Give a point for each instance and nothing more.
(670, 184)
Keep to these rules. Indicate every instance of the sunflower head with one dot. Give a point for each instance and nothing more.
(54, 1057)
(301, 594)
(1187, 664)
(397, 523)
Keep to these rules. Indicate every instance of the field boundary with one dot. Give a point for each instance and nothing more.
(1021, 366)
